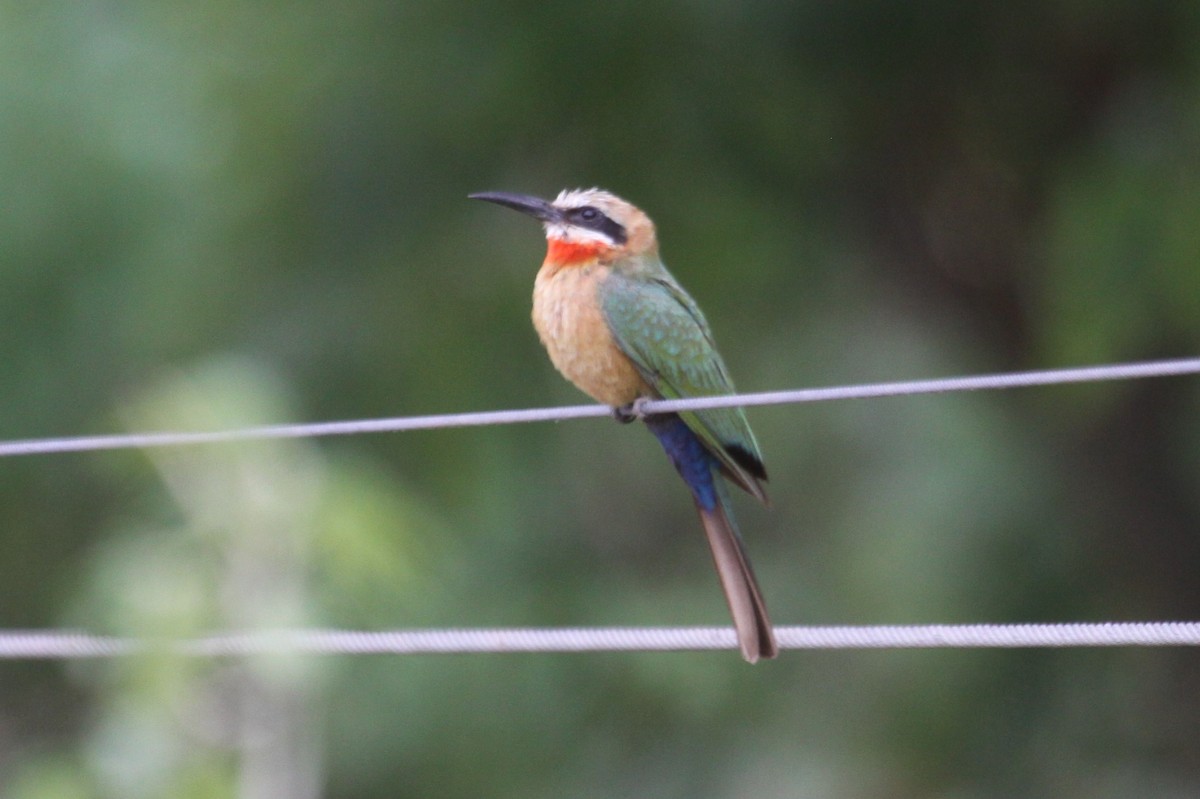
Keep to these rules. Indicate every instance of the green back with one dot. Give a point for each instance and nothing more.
(663, 332)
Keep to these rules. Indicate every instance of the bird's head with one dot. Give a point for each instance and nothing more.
(584, 225)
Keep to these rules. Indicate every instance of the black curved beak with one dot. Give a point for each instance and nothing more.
(534, 206)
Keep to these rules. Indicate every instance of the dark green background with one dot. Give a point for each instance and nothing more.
(230, 213)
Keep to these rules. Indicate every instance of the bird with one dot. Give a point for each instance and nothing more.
(620, 327)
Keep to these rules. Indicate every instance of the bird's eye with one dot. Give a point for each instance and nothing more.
(592, 218)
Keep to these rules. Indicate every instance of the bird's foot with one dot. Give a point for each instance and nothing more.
(632, 412)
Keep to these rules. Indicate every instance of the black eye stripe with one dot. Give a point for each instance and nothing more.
(592, 218)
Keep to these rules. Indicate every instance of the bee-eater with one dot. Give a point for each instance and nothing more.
(622, 329)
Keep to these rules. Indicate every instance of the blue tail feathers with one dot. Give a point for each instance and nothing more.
(695, 464)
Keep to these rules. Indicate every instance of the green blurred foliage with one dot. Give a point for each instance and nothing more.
(234, 213)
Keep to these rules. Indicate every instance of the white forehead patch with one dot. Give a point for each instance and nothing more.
(573, 198)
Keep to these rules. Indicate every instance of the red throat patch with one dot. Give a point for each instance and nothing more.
(570, 253)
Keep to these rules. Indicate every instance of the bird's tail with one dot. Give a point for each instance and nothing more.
(700, 470)
(749, 611)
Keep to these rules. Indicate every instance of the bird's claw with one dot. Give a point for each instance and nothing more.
(632, 412)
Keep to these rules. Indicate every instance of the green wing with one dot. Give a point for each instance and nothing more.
(663, 332)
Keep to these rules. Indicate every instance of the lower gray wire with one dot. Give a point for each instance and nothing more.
(35, 644)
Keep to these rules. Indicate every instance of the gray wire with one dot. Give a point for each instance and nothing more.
(36, 644)
(1089, 374)
(60, 645)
